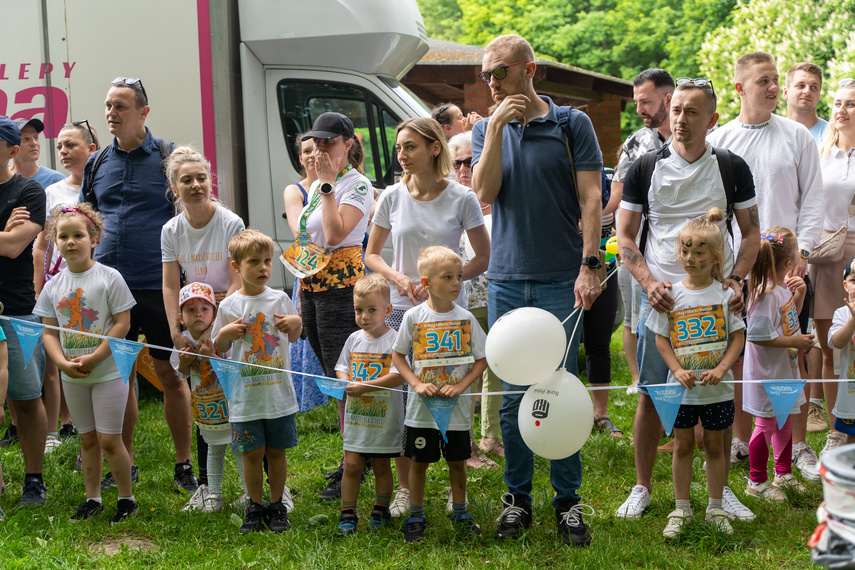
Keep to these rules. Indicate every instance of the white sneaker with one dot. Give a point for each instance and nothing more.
(195, 502)
(766, 490)
(242, 502)
(211, 502)
(634, 505)
(804, 459)
(449, 506)
(400, 504)
(734, 507)
(632, 389)
(789, 481)
(288, 499)
(51, 443)
(719, 519)
(835, 440)
(676, 521)
(738, 451)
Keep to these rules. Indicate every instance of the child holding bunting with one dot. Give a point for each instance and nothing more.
(448, 355)
(841, 335)
(197, 307)
(700, 339)
(92, 298)
(373, 418)
(256, 324)
(774, 339)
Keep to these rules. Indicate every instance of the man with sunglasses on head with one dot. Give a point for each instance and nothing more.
(685, 180)
(521, 166)
(131, 191)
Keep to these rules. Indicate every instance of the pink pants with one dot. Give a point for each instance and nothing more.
(766, 431)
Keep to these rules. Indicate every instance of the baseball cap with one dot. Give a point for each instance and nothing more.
(196, 291)
(848, 268)
(330, 125)
(35, 123)
(9, 131)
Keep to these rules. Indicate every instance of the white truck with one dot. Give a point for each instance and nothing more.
(238, 80)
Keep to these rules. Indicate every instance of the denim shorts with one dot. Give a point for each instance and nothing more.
(276, 433)
(651, 368)
(24, 383)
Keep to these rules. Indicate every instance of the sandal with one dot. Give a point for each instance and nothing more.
(606, 424)
(478, 460)
(490, 447)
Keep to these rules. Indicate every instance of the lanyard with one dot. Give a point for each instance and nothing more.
(316, 199)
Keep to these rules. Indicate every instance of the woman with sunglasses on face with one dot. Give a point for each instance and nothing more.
(424, 209)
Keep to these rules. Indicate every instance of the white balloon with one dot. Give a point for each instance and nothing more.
(556, 416)
(525, 346)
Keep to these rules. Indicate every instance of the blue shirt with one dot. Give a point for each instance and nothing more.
(536, 213)
(45, 177)
(131, 191)
(818, 131)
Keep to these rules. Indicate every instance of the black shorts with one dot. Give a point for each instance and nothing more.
(805, 314)
(149, 316)
(714, 417)
(376, 455)
(424, 445)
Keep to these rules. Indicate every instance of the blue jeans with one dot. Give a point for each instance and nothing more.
(651, 368)
(565, 474)
(24, 383)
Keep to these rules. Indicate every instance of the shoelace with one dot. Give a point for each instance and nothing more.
(805, 457)
(634, 500)
(510, 514)
(573, 516)
(400, 501)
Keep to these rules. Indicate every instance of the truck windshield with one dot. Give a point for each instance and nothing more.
(407, 96)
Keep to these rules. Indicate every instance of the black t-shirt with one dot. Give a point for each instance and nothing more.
(17, 292)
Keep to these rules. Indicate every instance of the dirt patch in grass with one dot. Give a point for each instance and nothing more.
(111, 546)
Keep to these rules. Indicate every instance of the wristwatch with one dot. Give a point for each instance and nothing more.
(326, 188)
(736, 278)
(593, 262)
(804, 253)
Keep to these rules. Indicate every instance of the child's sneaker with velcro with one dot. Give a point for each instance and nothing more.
(347, 523)
(414, 529)
(466, 522)
(380, 517)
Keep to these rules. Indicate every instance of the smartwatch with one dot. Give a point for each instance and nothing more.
(737, 278)
(804, 253)
(326, 188)
(593, 262)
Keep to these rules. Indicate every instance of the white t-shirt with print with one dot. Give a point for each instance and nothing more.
(259, 393)
(701, 325)
(417, 414)
(202, 253)
(86, 302)
(373, 422)
(58, 194)
(845, 406)
(352, 189)
(838, 182)
(772, 316)
(415, 225)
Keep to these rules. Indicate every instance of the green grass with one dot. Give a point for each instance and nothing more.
(42, 538)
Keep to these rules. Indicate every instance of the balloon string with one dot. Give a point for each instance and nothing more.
(579, 320)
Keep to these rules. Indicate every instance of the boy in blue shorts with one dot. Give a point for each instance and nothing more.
(256, 324)
(447, 346)
(373, 418)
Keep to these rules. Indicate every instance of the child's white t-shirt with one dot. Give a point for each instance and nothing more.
(415, 225)
(86, 302)
(699, 327)
(458, 318)
(373, 422)
(259, 393)
(772, 316)
(202, 253)
(210, 407)
(58, 194)
(352, 189)
(845, 405)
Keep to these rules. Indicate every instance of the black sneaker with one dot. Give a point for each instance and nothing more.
(67, 430)
(571, 527)
(10, 437)
(277, 517)
(333, 488)
(338, 469)
(253, 521)
(86, 510)
(34, 494)
(108, 480)
(125, 508)
(466, 522)
(347, 523)
(185, 479)
(513, 519)
(414, 529)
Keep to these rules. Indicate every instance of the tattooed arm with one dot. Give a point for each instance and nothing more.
(657, 291)
(749, 226)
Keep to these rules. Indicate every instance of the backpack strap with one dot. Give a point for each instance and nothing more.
(725, 168)
(89, 194)
(647, 166)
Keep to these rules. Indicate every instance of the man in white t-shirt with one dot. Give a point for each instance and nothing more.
(802, 91)
(685, 183)
(785, 162)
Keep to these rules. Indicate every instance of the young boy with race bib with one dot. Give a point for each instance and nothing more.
(256, 325)
(700, 339)
(373, 418)
(448, 355)
(841, 335)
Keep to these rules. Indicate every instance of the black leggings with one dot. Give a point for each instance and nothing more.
(597, 334)
(329, 319)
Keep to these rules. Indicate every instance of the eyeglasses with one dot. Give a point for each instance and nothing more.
(845, 82)
(79, 124)
(467, 162)
(130, 82)
(697, 82)
(499, 72)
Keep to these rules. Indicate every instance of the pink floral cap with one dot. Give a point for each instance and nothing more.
(196, 291)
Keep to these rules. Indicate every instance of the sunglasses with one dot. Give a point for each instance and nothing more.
(467, 162)
(437, 114)
(499, 72)
(131, 82)
(697, 82)
(79, 124)
(845, 82)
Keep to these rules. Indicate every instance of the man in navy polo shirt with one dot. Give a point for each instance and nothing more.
(131, 191)
(539, 257)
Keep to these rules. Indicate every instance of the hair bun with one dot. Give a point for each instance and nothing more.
(714, 215)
